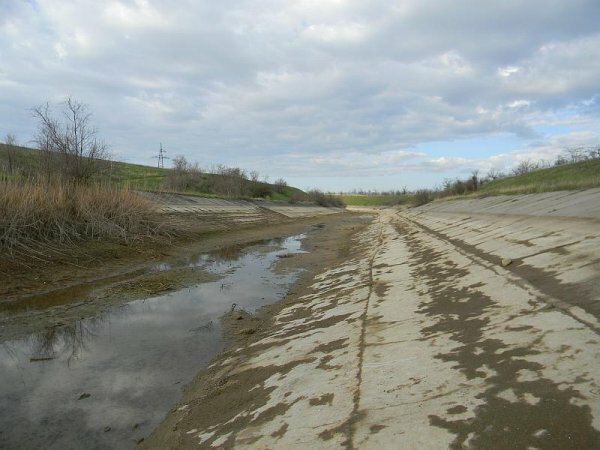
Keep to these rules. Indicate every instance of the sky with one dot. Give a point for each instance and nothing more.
(332, 94)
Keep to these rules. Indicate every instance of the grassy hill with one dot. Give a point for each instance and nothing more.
(25, 158)
(136, 176)
(580, 175)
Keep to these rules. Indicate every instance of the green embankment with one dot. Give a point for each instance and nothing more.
(580, 175)
(24, 158)
(27, 161)
(135, 176)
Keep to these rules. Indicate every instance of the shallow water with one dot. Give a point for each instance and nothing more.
(112, 379)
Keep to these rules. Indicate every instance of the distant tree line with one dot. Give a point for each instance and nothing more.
(375, 192)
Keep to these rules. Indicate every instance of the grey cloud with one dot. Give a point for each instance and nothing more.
(243, 81)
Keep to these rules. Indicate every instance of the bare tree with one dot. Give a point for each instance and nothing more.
(230, 181)
(474, 179)
(185, 175)
(494, 174)
(280, 185)
(254, 176)
(594, 152)
(69, 144)
(180, 164)
(524, 167)
(11, 152)
(576, 154)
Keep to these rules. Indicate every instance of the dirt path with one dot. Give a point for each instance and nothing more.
(418, 338)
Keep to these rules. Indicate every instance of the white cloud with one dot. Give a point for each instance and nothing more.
(455, 62)
(519, 104)
(508, 71)
(343, 33)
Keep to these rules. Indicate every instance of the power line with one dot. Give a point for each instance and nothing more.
(161, 157)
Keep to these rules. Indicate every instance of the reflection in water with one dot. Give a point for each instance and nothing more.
(226, 257)
(70, 340)
(108, 381)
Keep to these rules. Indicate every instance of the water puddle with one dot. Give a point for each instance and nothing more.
(107, 382)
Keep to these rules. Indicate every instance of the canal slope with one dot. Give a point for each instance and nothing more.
(441, 327)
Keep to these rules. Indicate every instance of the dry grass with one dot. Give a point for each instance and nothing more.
(37, 214)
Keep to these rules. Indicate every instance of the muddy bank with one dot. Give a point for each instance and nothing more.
(64, 265)
(101, 275)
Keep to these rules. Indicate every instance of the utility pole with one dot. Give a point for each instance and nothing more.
(161, 157)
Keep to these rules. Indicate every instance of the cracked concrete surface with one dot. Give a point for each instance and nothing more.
(423, 339)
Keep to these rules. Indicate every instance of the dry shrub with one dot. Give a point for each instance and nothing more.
(422, 197)
(322, 199)
(36, 213)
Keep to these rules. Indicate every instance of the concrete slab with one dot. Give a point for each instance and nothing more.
(427, 341)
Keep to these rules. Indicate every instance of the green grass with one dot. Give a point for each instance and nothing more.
(374, 200)
(26, 158)
(137, 176)
(288, 193)
(581, 175)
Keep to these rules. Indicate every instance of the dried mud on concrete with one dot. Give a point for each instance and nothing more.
(418, 337)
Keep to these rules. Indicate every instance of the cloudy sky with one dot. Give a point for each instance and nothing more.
(336, 94)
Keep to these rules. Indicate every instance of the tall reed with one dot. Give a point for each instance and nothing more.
(39, 212)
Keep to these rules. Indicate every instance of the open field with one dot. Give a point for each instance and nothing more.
(570, 176)
(580, 175)
(375, 200)
(40, 212)
(137, 176)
